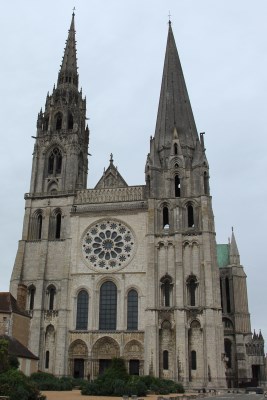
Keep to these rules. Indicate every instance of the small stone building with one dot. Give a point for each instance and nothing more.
(15, 328)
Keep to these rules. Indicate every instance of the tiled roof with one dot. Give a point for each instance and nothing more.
(15, 348)
(8, 304)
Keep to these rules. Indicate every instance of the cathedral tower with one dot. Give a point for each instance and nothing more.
(59, 168)
(184, 298)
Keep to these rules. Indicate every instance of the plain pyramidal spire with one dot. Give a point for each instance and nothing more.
(234, 253)
(174, 110)
(68, 74)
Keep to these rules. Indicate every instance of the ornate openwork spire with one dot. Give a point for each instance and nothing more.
(68, 74)
(174, 105)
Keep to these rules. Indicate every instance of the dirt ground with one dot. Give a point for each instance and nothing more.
(76, 395)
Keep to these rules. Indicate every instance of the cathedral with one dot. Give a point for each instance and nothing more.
(130, 271)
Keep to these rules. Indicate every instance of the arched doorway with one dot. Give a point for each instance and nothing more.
(103, 351)
(134, 357)
(78, 355)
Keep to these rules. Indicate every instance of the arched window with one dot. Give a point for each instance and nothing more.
(58, 225)
(82, 310)
(51, 291)
(191, 290)
(55, 224)
(206, 183)
(31, 294)
(54, 162)
(177, 186)
(190, 216)
(193, 360)
(47, 359)
(70, 121)
(228, 352)
(108, 306)
(39, 226)
(165, 359)
(132, 310)
(227, 290)
(58, 121)
(165, 214)
(166, 287)
(175, 148)
(36, 223)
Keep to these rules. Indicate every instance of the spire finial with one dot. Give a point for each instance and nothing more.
(232, 229)
(169, 15)
(111, 158)
(73, 11)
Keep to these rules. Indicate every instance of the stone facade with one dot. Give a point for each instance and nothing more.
(118, 270)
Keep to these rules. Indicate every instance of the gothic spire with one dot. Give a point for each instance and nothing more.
(234, 253)
(68, 73)
(174, 109)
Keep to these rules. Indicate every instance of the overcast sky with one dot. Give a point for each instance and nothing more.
(121, 45)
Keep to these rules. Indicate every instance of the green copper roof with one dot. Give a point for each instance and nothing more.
(223, 255)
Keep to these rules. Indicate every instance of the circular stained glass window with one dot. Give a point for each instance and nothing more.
(108, 244)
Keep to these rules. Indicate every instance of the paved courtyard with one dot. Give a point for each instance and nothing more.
(75, 395)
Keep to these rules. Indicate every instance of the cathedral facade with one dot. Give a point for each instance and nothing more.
(130, 271)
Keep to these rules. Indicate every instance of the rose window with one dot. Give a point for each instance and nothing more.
(107, 245)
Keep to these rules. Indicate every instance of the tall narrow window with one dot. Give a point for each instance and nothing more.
(31, 292)
(166, 283)
(132, 310)
(36, 223)
(192, 286)
(227, 290)
(190, 216)
(58, 225)
(82, 310)
(228, 352)
(175, 148)
(54, 162)
(47, 359)
(165, 213)
(58, 163)
(108, 306)
(165, 359)
(70, 121)
(177, 186)
(39, 226)
(58, 121)
(51, 163)
(193, 360)
(51, 300)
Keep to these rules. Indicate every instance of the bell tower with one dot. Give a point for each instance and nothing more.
(60, 158)
(183, 312)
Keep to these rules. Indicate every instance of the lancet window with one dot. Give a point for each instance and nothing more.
(108, 306)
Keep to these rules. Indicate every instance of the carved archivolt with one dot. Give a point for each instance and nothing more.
(105, 347)
(133, 349)
(78, 349)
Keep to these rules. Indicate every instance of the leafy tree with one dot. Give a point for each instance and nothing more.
(4, 364)
(16, 385)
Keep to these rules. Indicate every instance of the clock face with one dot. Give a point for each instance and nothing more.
(108, 245)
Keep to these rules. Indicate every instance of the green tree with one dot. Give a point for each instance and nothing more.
(4, 364)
